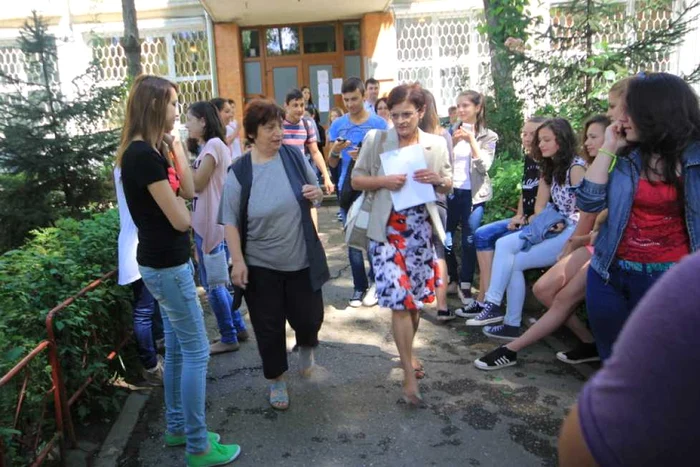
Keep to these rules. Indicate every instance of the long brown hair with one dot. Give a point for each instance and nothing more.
(556, 167)
(431, 121)
(479, 100)
(145, 111)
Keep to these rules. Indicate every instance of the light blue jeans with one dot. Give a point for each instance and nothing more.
(510, 263)
(229, 321)
(186, 351)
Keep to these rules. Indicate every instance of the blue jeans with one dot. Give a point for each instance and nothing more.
(610, 304)
(509, 265)
(486, 236)
(147, 323)
(186, 351)
(357, 264)
(461, 211)
(220, 300)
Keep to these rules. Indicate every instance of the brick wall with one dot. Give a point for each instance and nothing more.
(229, 64)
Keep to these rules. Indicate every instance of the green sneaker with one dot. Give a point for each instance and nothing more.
(219, 454)
(173, 441)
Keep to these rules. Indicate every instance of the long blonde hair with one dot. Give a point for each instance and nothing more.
(146, 111)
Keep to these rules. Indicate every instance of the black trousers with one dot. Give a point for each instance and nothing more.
(276, 296)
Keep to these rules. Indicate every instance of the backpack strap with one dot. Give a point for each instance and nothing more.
(243, 169)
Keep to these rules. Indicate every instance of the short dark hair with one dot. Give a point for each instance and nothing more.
(379, 101)
(260, 112)
(555, 168)
(231, 101)
(353, 84)
(412, 93)
(371, 81)
(213, 126)
(293, 95)
(451, 108)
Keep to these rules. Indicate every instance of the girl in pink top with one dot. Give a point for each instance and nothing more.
(206, 131)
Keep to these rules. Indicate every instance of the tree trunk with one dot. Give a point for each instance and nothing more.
(130, 42)
(501, 68)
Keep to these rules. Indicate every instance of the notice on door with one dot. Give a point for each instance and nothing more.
(324, 101)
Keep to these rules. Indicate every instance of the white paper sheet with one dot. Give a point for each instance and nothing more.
(322, 76)
(337, 86)
(323, 97)
(406, 161)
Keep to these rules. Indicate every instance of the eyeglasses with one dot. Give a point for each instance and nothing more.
(402, 115)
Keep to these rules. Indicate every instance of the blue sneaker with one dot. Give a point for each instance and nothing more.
(502, 332)
(491, 314)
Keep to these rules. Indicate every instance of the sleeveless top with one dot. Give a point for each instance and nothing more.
(564, 196)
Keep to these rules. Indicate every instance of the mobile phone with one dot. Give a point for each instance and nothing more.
(467, 126)
(340, 140)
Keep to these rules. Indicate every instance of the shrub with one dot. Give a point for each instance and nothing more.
(506, 178)
(52, 266)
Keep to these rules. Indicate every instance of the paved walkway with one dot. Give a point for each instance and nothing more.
(348, 414)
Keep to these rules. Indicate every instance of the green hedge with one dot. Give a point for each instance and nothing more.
(506, 177)
(52, 266)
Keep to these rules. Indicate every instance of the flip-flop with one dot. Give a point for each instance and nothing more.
(279, 397)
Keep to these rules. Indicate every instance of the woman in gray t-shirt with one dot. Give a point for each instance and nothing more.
(281, 265)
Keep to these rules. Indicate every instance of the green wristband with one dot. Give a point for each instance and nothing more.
(609, 154)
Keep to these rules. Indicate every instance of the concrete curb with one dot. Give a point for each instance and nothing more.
(120, 433)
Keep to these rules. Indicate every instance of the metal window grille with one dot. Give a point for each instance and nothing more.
(182, 57)
(444, 52)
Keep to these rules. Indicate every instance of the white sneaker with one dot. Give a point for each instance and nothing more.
(154, 376)
(370, 298)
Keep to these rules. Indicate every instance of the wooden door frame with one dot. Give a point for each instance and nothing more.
(279, 62)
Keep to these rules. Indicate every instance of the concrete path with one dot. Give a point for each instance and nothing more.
(348, 414)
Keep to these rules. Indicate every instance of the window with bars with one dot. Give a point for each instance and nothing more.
(444, 52)
(182, 57)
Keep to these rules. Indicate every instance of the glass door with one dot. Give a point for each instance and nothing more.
(312, 65)
(282, 77)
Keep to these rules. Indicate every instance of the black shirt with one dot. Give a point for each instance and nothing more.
(531, 180)
(160, 244)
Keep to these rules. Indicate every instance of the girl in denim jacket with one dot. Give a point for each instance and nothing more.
(648, 175)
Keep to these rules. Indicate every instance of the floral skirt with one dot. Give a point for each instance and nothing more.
(405, 267)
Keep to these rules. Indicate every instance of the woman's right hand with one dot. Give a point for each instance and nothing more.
(394, 182)
(239, 274)
(614, 137)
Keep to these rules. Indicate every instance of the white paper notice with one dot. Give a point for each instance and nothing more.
(406, 161)
(337, 86)
(323, 97)
(322, 76)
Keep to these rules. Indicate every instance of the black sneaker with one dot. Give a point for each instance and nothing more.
(470, 311)
(502, 332)
(445, 315)
(491, 314)
(356, 299)
(582, 353)
(498, 358)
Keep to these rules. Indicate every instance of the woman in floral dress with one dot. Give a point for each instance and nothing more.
(400, 242)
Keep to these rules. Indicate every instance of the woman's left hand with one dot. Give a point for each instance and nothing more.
(312, 193)
(427, 176)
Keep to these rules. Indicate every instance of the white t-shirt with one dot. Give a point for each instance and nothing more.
(128, 236)
(235, 147)
(462, 165)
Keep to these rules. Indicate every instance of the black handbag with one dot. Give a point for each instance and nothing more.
(347, 194)
(243, 168)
